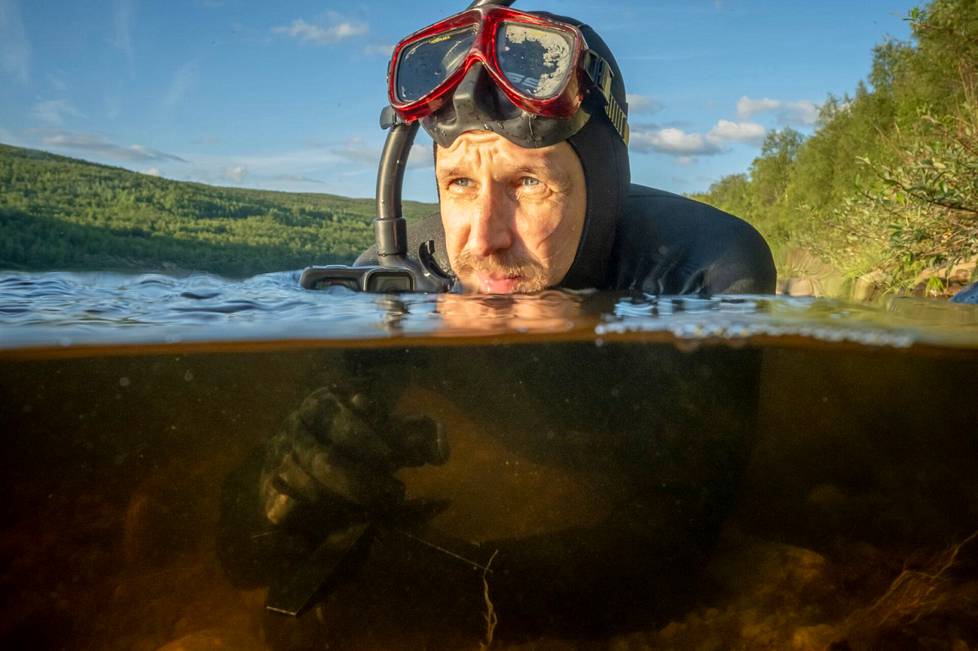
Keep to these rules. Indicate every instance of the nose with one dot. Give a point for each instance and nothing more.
(492, 220)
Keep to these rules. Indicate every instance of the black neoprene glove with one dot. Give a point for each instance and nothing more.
(334, 460)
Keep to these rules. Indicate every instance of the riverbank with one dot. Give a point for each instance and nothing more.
(800, 273)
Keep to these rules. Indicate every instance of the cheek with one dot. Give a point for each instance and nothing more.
(456, 227)
(544, 226)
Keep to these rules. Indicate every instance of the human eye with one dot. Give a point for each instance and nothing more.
(531, 186)
(460, 184)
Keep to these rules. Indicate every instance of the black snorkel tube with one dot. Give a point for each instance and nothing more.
(396, 272)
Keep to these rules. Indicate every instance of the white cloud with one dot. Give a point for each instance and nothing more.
(15, 48)
(297, 178)
(379, 50)
(674, 142)
(7, 137)
(152, 171)
(642, 104)
(54, 111)
(727, 131)
(122, 19)
(183, 80)
(96, 144)
(804, 111)
(319, 163)
(748, 108)
(421, 157)
(286, 162)
(685, 145)
(801, 112)
(334, 30)
(236, 173)
(354, 150)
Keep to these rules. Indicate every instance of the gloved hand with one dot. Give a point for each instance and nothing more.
(334, 460)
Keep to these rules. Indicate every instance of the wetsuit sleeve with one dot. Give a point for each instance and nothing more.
(669, 244)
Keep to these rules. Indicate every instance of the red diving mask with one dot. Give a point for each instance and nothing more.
(543, 66)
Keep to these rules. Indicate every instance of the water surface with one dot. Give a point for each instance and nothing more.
(83, 309)
(636, 471)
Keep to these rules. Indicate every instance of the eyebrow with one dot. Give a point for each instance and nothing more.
(537, 170)
(452, 171)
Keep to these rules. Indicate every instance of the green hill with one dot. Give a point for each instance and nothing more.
(61, 213)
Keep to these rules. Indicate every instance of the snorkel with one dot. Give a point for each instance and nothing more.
(396, 272)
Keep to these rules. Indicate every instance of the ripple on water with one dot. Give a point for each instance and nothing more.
(41, 309)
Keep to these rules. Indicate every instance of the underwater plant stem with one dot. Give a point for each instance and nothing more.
(491, 618)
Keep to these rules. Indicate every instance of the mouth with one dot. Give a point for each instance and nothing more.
(491, 283)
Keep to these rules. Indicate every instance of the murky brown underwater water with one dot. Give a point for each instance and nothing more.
(627, 495)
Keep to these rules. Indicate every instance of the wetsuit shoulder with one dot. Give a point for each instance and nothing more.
(419, 231)
(670, 244)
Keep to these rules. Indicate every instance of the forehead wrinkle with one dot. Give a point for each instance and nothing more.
(465, 157)
(463, 154)
(499, 146)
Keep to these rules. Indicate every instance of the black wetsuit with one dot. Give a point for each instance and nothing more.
(664, 243)
(664, 434)
(668, 433)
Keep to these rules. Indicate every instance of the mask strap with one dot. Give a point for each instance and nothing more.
(601, 75)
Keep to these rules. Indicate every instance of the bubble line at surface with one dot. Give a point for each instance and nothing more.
(739, 331)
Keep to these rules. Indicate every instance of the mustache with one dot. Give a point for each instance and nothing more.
(503, 263)
(531, 272)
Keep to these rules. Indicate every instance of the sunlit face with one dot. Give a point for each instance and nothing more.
(513, 217)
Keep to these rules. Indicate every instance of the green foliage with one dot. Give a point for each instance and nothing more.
(61, 213)
(888, 183)
(922, 207)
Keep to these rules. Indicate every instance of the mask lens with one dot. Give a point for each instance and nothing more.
(424, 65)
(537, 61)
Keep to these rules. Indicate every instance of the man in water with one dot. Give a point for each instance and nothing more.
(534, 189)
(529, 119)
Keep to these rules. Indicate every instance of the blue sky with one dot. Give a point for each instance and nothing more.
(286, 95)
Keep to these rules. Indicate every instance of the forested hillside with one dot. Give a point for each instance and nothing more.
(61, 213)
(887, 186)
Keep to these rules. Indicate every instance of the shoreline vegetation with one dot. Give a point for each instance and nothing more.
(883, 197)
(59, 213)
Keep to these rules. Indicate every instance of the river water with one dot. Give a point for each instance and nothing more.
(624, 472)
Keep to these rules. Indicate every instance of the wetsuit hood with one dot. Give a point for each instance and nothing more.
(478, 104)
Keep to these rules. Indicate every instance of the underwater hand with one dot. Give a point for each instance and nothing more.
(335, 457)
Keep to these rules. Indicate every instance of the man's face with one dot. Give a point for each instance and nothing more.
(513, 217)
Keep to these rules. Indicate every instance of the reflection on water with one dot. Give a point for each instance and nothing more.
(635, 472)
(74, 309)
